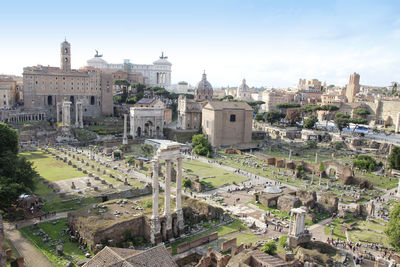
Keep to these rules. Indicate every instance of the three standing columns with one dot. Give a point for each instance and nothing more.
(155, 219)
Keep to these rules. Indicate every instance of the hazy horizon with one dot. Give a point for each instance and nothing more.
(270, 43)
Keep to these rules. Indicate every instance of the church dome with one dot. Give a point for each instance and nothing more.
(204, 85)
(243, 87)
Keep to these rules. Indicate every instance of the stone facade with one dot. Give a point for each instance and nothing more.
(156, 74)
(8, 92)
(189, 114)
(147, 120)
(227, 123)
(45, 87)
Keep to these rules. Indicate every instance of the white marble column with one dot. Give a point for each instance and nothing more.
(290, 155)
(167, 196)
(291, 223)
(125, 137)
(155, 189)
(179, 185)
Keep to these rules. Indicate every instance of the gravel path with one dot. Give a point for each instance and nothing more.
(32, 256)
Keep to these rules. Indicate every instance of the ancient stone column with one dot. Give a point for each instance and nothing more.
(316, 157)
(398, 189)
(397, 123)
(167, 209)
(179, 185)
(81, 115)
(290, 155)
(155, 189)
(58, 112)
(66, 112)
(77, 114)
(125, 137)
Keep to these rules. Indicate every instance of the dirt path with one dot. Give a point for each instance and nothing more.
(25, 248)
(317, 230)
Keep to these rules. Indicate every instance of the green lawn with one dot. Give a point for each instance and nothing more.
(232, 227)
(217, 177)
(54, 202)
(50, 168)
(71, 251)
(371, 231)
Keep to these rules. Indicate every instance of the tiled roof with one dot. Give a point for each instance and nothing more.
(118, 257)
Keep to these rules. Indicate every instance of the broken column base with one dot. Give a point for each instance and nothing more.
(294, 241)
(155, 231)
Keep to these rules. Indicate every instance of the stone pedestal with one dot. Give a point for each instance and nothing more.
(155, 230)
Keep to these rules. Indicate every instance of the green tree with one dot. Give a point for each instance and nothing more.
(288, 105)
(310, 108)
(293, 115)
(321, 170)
(201, 146)
(16, 173)
(273, 116)
(365, 162)
(8, 139)
(393, 227)
(394, 158)
(124, 84)
(259, 118)
(187, 183)
(310, 122)
(269, 248)
(362, 112)
(146, 149)
(342, 121)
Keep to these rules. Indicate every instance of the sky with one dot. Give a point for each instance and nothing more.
(269, 43)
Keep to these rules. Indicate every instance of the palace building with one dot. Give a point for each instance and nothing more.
(45, 87)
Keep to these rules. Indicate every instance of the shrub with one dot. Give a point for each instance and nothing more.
(269, 248)
(365, 162)
(187, 183)
(282, 241)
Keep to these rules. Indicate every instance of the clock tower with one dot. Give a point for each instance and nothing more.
(65, 56)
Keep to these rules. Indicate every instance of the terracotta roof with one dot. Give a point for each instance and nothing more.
(117, 257)
(221, 105)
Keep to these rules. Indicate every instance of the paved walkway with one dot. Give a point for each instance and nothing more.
(317, 230)
(32, 256)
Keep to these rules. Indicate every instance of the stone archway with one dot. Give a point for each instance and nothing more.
(148, 128)
(157, 131)
(139, 132)
(332, 171)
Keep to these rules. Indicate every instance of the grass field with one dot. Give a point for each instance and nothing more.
(71, 251)
(54, 202)
(50, 168)
(216, 177)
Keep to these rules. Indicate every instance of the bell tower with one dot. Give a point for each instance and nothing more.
(65, 56)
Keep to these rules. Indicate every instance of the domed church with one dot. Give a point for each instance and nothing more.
(204, 90)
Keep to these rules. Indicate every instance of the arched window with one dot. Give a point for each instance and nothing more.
(50, 100)
(92, 100)
(72, 99)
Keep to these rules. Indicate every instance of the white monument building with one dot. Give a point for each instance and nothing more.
(156, 74)
(147, 121)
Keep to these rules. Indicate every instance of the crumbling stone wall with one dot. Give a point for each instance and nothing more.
(307, 198)
(288, 202)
